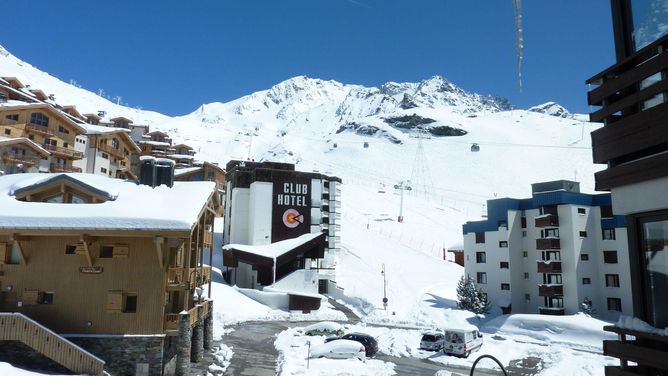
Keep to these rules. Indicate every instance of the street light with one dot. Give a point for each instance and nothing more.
(384, 288)
(402, 186)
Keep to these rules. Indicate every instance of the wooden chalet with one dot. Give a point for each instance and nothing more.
(113, 269)
(20, 154)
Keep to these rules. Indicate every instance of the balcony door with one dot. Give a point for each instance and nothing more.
(654, 268)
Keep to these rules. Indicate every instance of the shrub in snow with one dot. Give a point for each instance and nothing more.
(470, 297)
(587, 307)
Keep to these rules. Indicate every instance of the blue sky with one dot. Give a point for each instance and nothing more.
(172, 56)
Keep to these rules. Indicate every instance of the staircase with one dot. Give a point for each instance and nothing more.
(18, 327)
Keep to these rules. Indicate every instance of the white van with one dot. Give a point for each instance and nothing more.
(461, 342)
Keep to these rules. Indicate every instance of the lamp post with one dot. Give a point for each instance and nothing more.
(382, 272)
(402, 186)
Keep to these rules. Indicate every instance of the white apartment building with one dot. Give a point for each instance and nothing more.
(106, 151)
(550, 253)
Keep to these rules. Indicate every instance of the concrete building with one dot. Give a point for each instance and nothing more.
(106, 151)
(266, 203)
(550, 253)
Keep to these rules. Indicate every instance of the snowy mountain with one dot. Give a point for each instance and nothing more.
(376, 136)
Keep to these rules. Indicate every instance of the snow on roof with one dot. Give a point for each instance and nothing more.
(155, 143)
(133, 207)
(100, 129)
(180, 156)
(273, 250)
(36, 146)
(185, 171)
(459, 246)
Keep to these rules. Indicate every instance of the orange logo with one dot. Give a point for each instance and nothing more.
(292, 218)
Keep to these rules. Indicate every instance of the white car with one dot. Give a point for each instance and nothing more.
(324, 328)
(340, 349)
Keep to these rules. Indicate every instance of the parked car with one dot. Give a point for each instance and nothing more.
(432, 341)
(461, 342)
(327, 328)
(342, 349)
(370, 343)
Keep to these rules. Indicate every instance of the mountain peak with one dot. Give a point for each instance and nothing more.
(552, 109)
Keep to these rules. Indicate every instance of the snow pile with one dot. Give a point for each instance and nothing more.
(222, 354)
(634, 323)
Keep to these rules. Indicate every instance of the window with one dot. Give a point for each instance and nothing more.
(13, 117)
(31, 137)
(503, 265)
(552, 255)
(583, 234)
(525, 254)
(38, 118)
(62, 129)
(549, 233)
(582, 211)
(70, 249)
(106, 251)
(503, 224)
(65, 144)
(556, 302)
(527, 297)
(526, 275)
(46, 298)
(606, 211)
(608, 234)
(554, 279)
(584, 257)
(524, 220)
(524, 234)
(114, 143)
(612, 280)
(505, 286)
(8, 131)
(103, 170)
(130, 303)
(479, 237)
(614, 304)
(586, 281)
(481, 278)
(549, 210)
(480, 257)
(105, 155)
(503, 244)
(653, 234)
(610, 257)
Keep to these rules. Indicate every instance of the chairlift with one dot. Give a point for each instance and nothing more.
(335, 145)
(366, 145)
(475, 147)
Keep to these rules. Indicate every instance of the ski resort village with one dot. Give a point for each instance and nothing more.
(314, 227)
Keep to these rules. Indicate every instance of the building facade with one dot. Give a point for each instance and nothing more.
(551, 253)
(268, 202)
(633, 143)
(106, 151)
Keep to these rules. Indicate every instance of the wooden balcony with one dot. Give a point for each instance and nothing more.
(41, 130)
(13, 158)
(554, 311)
(56, 167)
(110, 150)
(645, 349)
(65, 152)
(187, 278)
(549, 266)
(171, 322)
(634, 139)
(550, 290)
(208, 239)
(548, 220)
(548, 243)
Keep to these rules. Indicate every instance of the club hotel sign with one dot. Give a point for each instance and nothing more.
(291, 206)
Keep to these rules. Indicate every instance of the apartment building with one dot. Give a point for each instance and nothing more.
(630, 99)
(550, 253)
(269, 202)
(113, 269)
(106, 151)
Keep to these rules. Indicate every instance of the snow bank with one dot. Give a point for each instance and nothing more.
(634, 323)
(274, 300)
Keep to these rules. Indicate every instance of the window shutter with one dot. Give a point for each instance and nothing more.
(115, 301)
(121, 250)
(30, 296)
(3, 253)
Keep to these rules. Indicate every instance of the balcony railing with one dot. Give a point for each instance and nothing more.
(549, 266)
(550, 290)
(13, 158)
(172, 319)
(623, 91)
(67, 152)
(645, 349)
(55, 167)
(110, 150)
(555, 311)
(187, 278)
(40, 129)
(548, 243)
(547, 220)
(208, 239)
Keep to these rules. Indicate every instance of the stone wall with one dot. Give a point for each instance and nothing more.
(136, 355)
